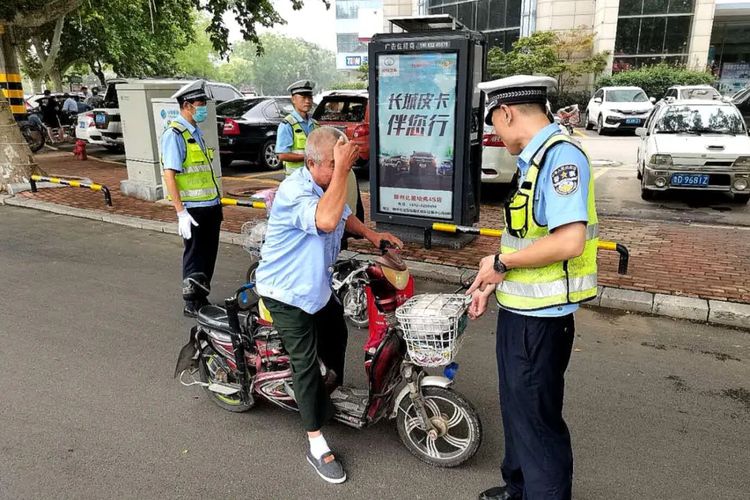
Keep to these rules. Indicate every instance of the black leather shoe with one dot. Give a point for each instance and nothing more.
(498, 493)
(191, 309)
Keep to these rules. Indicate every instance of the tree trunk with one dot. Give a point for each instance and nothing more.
(56, 78)
(16, 160)
(36, 85)
(99, 72)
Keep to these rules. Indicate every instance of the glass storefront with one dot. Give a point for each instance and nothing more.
(729, 54)
(499, 20)
(652, 31)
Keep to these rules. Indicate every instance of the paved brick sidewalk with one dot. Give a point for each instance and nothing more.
(678, 259)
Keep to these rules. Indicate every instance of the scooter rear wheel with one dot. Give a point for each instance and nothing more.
(458, 421)
(231, 403)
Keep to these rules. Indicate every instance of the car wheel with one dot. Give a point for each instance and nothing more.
(268, 156)
(600, 125)
(646, 194)
(589, 126)
(742, 198)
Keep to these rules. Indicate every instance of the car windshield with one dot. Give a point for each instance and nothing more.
(236, 108)
(626, 95)
(700, 120)
(700, 94)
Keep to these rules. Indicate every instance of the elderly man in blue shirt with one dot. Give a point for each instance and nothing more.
(308, 218)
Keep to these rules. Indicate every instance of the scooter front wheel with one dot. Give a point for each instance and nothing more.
(459, 429)
(207, 364)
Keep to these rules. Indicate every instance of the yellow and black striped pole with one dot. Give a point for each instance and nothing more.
(68, 182)
(497, 233)
(232, 202)
(10, 76)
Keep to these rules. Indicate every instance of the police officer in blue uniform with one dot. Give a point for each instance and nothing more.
(546, 267)
(193, 188)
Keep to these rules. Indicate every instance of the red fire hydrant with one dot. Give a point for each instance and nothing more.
(80, 150)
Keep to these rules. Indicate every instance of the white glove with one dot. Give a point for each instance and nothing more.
(184, 220)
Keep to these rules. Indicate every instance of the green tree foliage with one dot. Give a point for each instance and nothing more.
(656, 79)
(197, 58)
(284, 60)
(566, 56)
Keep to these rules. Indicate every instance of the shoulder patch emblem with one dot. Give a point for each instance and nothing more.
(565, 179)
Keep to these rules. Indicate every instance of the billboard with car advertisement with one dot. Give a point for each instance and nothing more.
(416, 132)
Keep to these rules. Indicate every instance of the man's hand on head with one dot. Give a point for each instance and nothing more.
(345, 153)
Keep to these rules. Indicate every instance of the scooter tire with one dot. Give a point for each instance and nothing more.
(473, 426)
(229, 403)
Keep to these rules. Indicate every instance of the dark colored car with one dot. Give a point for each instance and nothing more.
(742, 100)
(422, 160)
(247, 129)
(348, 111)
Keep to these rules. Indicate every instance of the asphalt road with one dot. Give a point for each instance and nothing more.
(91, 323)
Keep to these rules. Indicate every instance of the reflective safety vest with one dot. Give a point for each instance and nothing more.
(197, 181)
(299, 141)
(567, 282)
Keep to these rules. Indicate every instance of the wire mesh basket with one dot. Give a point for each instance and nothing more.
(254, 234)
(433, 325)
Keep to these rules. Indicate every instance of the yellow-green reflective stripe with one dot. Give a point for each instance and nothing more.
(516, 243)
(551, 289)
(193, 193)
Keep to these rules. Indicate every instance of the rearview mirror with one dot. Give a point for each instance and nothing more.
(598, 100)
(641, 132)
(652, 99)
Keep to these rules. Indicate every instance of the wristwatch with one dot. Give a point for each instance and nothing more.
(499, 266)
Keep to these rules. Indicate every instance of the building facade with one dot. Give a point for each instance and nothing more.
(695, 33)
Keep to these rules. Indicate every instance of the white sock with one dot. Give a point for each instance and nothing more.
(318, 446)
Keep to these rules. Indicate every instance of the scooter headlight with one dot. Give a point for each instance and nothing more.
(399, 279)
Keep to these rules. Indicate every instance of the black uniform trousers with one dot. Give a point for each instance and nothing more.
(201, 249)
(307, 337)
(532, 356)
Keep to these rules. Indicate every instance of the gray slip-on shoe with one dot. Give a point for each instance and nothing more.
(328, 467)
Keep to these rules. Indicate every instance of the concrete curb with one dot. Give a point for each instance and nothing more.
(717, 312)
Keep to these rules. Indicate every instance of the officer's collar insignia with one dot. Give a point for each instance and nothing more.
(565, 179)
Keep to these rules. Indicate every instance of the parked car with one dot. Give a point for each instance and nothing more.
(86, 129)
(348, 111)
(421, 161)
(247, 129)
(742, 100)
(694, 145)
(107, 118)
(618, 108)
(682, 92)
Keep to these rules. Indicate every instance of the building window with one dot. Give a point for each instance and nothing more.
(650, 31)
(349, 42)
(346, 9)
(499, 20)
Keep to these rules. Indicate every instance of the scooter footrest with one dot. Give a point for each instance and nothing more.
(350, 400)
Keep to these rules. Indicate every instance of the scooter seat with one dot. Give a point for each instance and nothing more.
(215, 318)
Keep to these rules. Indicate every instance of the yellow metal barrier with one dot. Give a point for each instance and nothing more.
(232, 202)
(496, 233)
(65, 182)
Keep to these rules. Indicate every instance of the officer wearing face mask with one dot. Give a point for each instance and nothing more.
(194, 191)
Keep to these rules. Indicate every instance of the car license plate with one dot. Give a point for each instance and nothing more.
(690, 180)
(100, 118)
(82, 124)
(632, 121)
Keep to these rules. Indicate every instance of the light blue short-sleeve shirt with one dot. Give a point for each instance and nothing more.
(296, 258)
(285, 135)
(554, 209)
(173, 154)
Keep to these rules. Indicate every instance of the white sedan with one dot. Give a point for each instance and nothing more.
(86, 129)
(617, 108)
(694, 145)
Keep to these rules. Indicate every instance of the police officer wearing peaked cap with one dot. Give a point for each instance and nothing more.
(546, 266)
(194, 191)
(291, 139)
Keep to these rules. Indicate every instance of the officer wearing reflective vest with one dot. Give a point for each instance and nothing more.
(292, 134)
(545, 268)
(192, 187)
